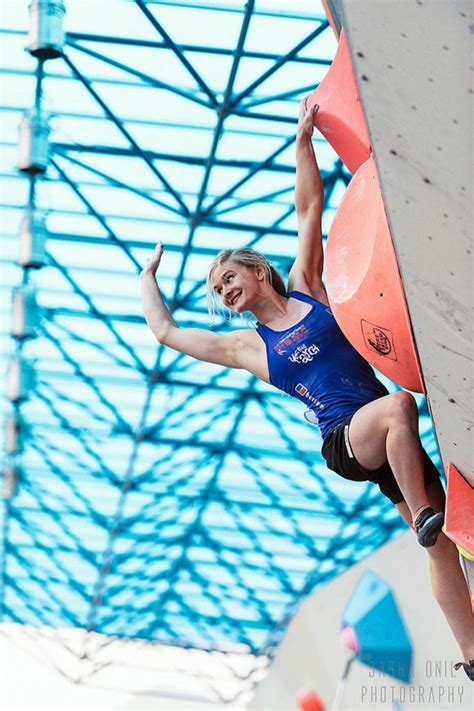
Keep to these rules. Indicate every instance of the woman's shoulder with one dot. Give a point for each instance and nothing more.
(246, 336)
(249, 352)
(247, 340)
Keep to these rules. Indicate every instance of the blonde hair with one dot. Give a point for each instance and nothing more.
(248, 258)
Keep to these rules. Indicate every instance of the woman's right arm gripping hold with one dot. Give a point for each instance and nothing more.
(223, 349)
(307, 272)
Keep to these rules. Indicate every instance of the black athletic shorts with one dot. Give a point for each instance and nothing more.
(339, 457)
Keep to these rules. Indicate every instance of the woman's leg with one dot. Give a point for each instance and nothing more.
(387, 429)
(447, 579)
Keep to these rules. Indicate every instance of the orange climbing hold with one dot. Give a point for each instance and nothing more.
(364, 285)
(459, 520)
(310, 701)
(340, 117)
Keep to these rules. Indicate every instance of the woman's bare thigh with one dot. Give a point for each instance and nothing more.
(368, 432)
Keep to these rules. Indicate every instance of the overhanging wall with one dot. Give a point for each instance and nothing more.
(412, 62)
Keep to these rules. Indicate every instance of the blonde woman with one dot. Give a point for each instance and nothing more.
(297, 346)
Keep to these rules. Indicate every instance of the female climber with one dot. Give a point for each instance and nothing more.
(297, 346)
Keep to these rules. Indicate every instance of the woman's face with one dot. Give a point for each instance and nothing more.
(237, 285)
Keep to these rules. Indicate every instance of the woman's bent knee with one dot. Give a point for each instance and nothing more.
(403, 408)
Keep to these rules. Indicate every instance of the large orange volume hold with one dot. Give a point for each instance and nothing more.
(363, 282)
(340, 117)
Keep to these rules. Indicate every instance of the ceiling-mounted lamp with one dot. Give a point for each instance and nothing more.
(46, 36)
(14, 433)
(10, 478)
(25, 312)
(21, 379)
(33, 234)
(33, 145)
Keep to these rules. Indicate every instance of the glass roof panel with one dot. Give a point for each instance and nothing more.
(161, 497)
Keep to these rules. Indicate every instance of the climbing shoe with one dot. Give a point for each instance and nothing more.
(468, 668)
(428, 525)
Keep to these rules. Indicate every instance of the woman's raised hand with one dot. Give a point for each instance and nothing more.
(306, 119)
(152, 263)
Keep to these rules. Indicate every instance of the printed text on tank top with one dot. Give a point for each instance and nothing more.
(255, 349)
(304, 352)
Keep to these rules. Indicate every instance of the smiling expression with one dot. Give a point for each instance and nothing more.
(235, 285)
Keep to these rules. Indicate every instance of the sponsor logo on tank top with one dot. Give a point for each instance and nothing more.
(304, 353)
(288, 339)
(303, 390)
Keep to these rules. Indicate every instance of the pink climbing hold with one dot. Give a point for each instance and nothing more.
(349, 639)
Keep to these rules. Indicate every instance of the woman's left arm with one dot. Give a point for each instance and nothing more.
(309, 199)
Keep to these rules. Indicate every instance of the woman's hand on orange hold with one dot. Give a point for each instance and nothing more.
(306, 119)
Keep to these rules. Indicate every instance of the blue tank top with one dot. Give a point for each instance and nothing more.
(314, 362)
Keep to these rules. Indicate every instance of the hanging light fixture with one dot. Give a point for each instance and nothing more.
(10, 478)
(14, 433)
(46, 36)
(25, 314)
(33, 234)
(20, 379)
(33, 145)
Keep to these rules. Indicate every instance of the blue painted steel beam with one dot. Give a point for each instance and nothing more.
(124, 131)
(177, 158)
(278, 118)
(255, 453)
(93, 310)
(99, 217)
(255, 168)
(282, 60)
(177, 50)
(300, 91)
(174, 570)
(224, 7)
(132, 244)
(235, 132)
(87, 380)
(245, 227)
(141, 75)
(118, 184)
(268, 197)
(202, 49)
(221, 114)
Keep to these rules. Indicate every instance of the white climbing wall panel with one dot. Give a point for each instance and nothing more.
(413, 63)
(311, 655)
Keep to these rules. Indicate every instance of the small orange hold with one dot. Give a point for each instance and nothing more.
(340, 117)
(310, 701)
